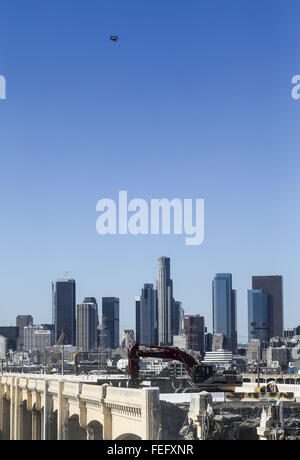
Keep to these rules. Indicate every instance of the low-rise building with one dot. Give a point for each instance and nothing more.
(36, 338)
(253, 353)
(218, 342)
(219, 357)
(181, 341)
(277, 355)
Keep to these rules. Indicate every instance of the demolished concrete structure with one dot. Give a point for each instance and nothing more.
(204, 419)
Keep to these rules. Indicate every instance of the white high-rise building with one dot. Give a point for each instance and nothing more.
(37, 338)
(165, 301)
(128, 339)
(3, 347)
(86, 324)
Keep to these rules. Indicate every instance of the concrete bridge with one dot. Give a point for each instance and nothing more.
(282, 379)
(37, 407)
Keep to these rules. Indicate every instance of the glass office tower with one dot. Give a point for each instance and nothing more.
(111, 321)
(147, 332)
(64, 309)
(273, 285)
(258, 315)
(138, 319)
(224, 309)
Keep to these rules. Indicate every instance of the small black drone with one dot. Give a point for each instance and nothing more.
(114, 38)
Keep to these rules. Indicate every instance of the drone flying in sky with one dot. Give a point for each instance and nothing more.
(114, 38)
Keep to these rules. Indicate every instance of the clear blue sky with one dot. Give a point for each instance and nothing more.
(192, 102)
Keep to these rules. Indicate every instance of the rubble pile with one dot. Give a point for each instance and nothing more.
(205, 420)
(233, 427)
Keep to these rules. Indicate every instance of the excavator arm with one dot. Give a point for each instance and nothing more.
(173, 354)
(202, 376)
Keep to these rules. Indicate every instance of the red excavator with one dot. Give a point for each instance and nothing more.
(202, 376)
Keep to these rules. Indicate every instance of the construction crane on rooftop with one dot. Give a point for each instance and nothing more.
(55, 352)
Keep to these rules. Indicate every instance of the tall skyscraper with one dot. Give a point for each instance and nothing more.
(194, 326)
(176, 317)
(3, 347)
(234, 337)
(273, 285)
(111, 321)
(12, 336)
(224, 309)
(93, 301)
(86, 324)
(138, 319)
(181, 318)
(22, 322)
(64, 309)
(147, 316)
(258, 315)
(165, 301)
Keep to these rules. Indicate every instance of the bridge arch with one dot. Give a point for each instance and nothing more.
(128, 437)
(73, 430)
(5, 415)
(52, 425)
(25, 422)
(94, 431)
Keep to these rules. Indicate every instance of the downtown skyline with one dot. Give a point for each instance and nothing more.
(164, 263)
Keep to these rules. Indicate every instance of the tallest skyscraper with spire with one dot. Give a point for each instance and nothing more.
(164, 287)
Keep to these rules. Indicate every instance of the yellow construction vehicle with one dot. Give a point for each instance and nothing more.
(271, 387)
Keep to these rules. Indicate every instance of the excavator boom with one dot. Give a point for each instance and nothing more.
(157, 352)
(201, 375)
